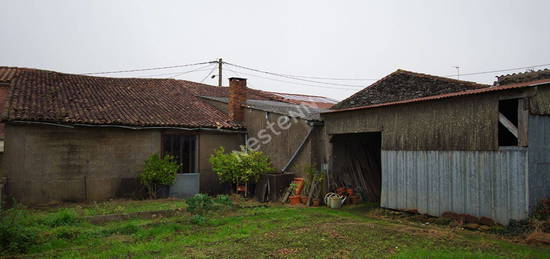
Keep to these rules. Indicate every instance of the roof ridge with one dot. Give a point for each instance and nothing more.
(523, 73)
(440, 77)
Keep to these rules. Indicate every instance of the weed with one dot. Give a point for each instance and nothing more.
(63, 217)
(15, 235)
(199, 220)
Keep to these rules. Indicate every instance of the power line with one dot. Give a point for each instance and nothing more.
(211, 71)
(194, 70)
(289, 76)
(294, 83)
(497, 71)
(174, 73)
(148, 69)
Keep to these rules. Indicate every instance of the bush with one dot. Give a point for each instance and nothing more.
(61, 218)
(223, 201)
(239, 166)
(158, 171)
(199, 220)
(200, 204)
(15, 235)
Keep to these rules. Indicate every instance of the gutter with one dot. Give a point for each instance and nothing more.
(123, 127)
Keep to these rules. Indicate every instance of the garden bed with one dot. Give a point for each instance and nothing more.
(251, 231)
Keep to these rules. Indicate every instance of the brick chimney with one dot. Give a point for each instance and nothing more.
(237, 98)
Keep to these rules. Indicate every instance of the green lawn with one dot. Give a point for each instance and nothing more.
(276, 231)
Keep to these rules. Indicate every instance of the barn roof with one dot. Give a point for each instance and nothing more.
(405, 85)
(523, 77)
(542, 82)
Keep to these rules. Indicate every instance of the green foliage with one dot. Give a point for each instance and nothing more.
(15, 235)
(158, 171)
(61, 218)
(239, 166)
(200, 204)
(223, 201)
(199, 220)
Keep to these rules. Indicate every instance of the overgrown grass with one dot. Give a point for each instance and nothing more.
(255, 232)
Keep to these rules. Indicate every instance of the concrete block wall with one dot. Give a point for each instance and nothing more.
(51, 163)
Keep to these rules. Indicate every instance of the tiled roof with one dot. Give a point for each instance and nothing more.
(289, 109)
(310, 100)
(405, 85)
(523, 77)
(449, 95)
(7, 73)
(45, 96)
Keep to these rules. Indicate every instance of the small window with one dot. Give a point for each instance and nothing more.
(183, 148)
(508, 122)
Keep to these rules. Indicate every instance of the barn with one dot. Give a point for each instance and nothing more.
(419, 142)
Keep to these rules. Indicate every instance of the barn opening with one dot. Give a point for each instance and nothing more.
(357, 163)
(508, 122)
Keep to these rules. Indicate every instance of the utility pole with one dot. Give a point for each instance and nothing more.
(220, 77)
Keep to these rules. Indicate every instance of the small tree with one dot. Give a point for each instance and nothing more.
(239, 167)
(158, 171)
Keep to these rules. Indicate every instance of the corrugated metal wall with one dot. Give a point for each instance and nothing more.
(539, 158)
(479, 183)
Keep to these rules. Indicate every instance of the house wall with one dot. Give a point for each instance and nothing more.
(282, 146)
(52, 163)
(209, 142)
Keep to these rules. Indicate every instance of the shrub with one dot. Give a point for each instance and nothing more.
(15, 235)
(239, 166)
(200, 204)
(223, 201)
(61, 218)
(158, 171)
(199, 220)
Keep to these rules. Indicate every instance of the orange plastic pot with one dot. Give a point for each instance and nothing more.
(241, 188)
(299, 185)
(294, 200)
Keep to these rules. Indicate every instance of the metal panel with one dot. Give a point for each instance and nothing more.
(479, 183)
(186, 185)
(539, 158)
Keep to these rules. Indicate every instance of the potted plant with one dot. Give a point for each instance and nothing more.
(239, 167)
(158, 173)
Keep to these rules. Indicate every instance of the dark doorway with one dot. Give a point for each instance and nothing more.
(183, 148)
(357, 163)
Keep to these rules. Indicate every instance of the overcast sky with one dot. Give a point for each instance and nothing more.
(344, 39)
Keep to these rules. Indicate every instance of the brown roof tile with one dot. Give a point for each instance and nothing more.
(541, 82)
(46, 96)
(405, 85)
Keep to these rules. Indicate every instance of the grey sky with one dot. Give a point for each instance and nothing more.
(351, 39)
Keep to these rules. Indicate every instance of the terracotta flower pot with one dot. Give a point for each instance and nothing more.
(349, 191)
(299, 185)
(241, 188)
(294, 200)
(303, 199)
(355, 199)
